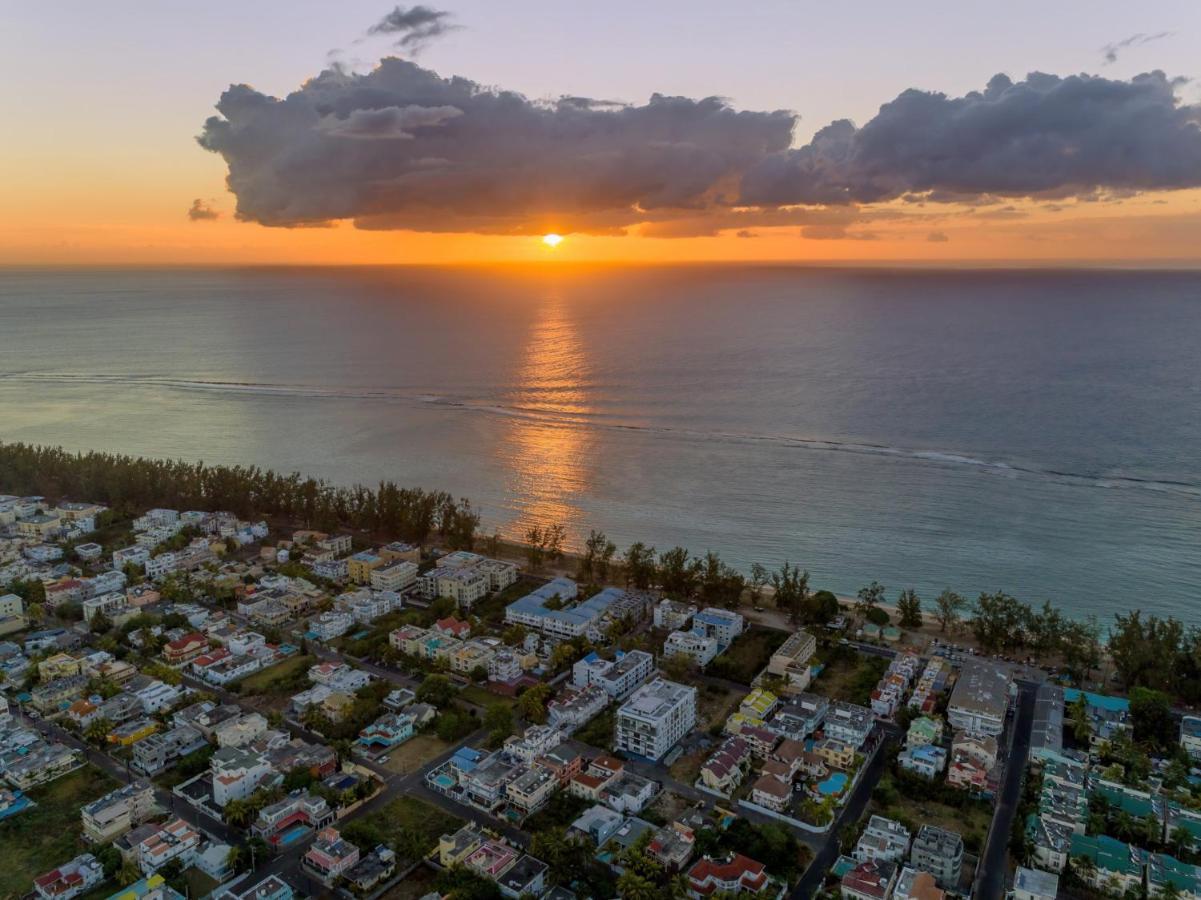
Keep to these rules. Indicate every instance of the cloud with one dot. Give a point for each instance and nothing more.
(1044, 136)
(413, 27)
(937, 237)
(1109, 52)
(202, 211)
(478, 159)
(835, 233)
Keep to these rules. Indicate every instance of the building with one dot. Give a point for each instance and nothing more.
(12, 614)
(298, 812)
(361, 565)
(1116, 866)
(980, 699)
(237, 773)
(617, 678)
(727, 765)
(159, 751)
(270, 888)
(330, 857)
(394, 576)
(926, 760)
(77, 877)
(1034, 884)
(185, 649)
(655, 718)
(939, 852)
(1190, 735)
(240, 730)
(386, 732)
(110, 816)
(722, 625)
(525, 878)
(914, 884)
(152, 887)
(131, 732)
(531, 789)
(772, 793)
(883, 839)
(537, 740)
(848, 723)
(700, 648)
(736, 874)
(174, 840)
(923, 730)
(869, 880)
(673, 615)
(671, 846)
(330, 625)
(574, 708)
(793, 660)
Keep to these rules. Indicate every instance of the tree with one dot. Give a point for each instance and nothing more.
(1082, 725)
(436, 690)
(791, 585)
(1146, 652)
(531, 705)
(869, 597)
(97, 731)
(598, 553)
(1181, 840)
(677, 666)
(759, 578)
(909, 606)
(948, 607)
(1151, 716)
(677, 573)
(639, 564)
(498, 719)
(1081, 647)
(1000, 622)
(479, 674)
(534, 551)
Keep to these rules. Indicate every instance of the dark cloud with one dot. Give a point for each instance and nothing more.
(1044, 136)
(1110, 51)
(477, 159)
(202, 211)
(413, 27)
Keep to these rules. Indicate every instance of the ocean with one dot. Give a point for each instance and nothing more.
(1037, 432)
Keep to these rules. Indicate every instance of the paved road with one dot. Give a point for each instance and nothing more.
(994, 862)
(813, 877)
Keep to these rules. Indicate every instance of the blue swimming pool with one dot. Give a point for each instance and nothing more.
(292, 834)
(833, 785)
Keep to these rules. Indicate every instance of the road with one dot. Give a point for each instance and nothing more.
(829, 849)
(994, 862)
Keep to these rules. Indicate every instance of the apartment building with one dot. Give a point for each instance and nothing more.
(848, 723)
(980, 699)
(722, 625)
(110, 816)
(793, 661)
(700, 648)
(655, 717)
(159, 751)
(237, 773)
(617, 678)
(362, 564)
(174, 840)
(939, 852)
(673, 615)
(394, 576)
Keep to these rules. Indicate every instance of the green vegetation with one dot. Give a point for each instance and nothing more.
(286, 677)
(848, 676)
(599, 730)
(914, 801)
(34, 842)
(773, 845)
(748, 655)
(409, 826)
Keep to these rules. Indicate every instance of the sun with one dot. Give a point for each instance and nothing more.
(552, 240)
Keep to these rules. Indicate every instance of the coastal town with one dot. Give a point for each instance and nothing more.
(202, 704)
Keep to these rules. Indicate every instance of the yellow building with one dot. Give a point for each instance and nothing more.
(835, 753)
(132, 732)
(361, 565)
(39, 526)
(453, 849)
(465, 658)
(60, 665)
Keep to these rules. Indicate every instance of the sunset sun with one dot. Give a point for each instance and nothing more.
(552, 240)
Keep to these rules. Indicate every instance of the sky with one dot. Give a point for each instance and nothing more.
(708, 134)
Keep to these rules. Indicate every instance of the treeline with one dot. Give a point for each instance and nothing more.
(130, 484)
(1155, 653)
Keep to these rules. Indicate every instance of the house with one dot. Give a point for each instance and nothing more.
(772, 793)
(372, 868)
(452, 627)
(159, 751)
(1034, 884)
(759, 703)
(185, 649)
(534, 742)
(980, 699)
(835, 754)
(926, 760)
(870, 880)
(793, 661)
(628, 792)
(574, 708)
(241, 730)
(965, 774)
(655, 718)
(270, 888)
(237, 773)
(914, 884)
(725, 768)
(563, 762)
(981, 749)
(1116, 866)
(455, 849)
(174, 840)
(671, 846)
(923, 730)
(110, 816)
(525, 878)
(330, 856)
(735, 874)
(132, 732)
(800, 716)
(883, 839)
(387, 731)
(13, 803)
(77, 877)
(492, 859)
(939, 852)
(297, 811)
(531, 789)
(152, 887)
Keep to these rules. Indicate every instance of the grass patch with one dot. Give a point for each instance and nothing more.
(599, 730)
(850, 677)
(419, 883)
(409, 826)
(42, 838)
(688, 767)
(748, 655)
(715, 705)
(909, 804)
(200, 884)
(415, 753)
(481, 696)
(285, 677)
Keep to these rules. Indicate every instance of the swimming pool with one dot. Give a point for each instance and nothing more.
(833, 785)
(292, 834)
(444, 781)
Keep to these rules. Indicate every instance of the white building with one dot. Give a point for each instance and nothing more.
(160, 566)
(673, 615)
(396, 576)
(980, 699)
(655, 718)
(330, 625)
(237, 773)
(618, 677)
(722, 625)
(700, 648)
(882, 840)
(135, 555)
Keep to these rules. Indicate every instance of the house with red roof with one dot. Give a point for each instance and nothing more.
(76, 877)
(452, 627)
(185, 649)
(330, 856)
(736, 874)
(871, 880)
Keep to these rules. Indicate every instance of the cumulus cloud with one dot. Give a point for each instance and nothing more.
(202, 211)
(402, 147)
(413, 27)
(1043, 136)
(1110, 51)
(477, 159)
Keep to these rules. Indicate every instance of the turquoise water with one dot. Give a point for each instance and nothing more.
(833, 785)
(1101, 701)
(292, 835)
(1037, 432)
